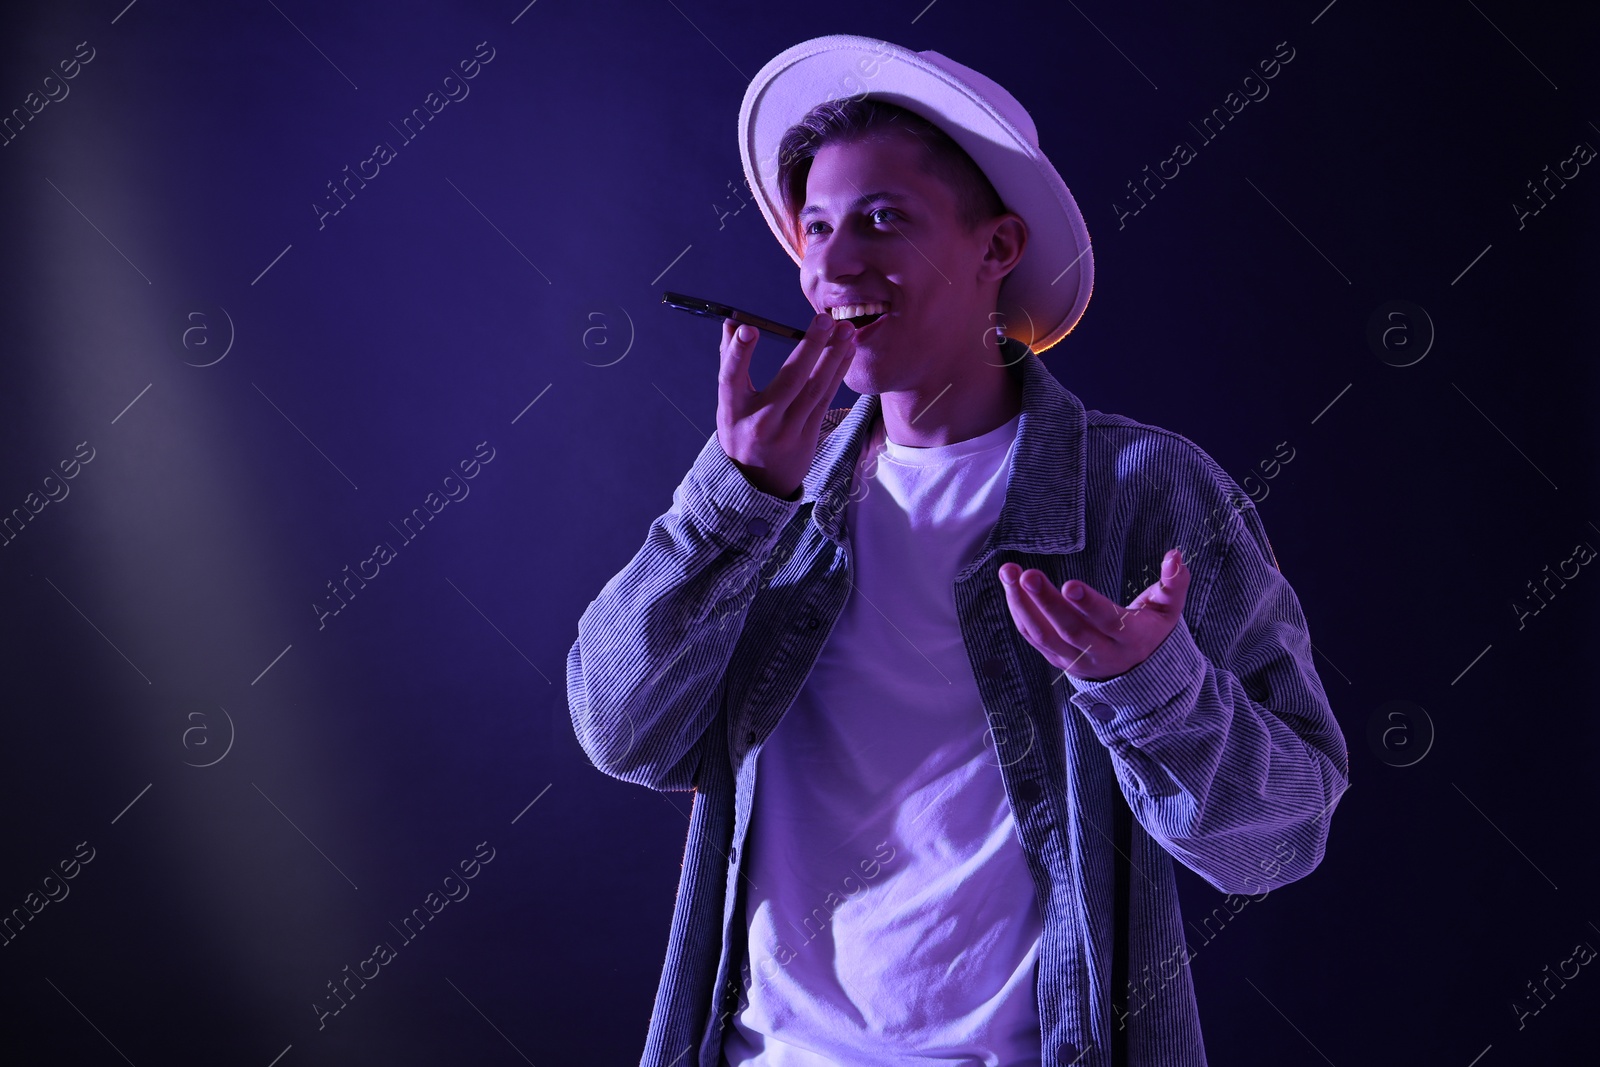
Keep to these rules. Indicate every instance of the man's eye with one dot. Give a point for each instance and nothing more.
(873, 214)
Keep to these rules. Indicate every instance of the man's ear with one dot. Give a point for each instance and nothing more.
(1008, 240)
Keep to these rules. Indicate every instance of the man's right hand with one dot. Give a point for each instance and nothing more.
(771, 435)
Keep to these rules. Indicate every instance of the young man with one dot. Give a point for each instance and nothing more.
(976, 764)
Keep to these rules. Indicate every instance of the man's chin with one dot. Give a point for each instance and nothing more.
(863, 377)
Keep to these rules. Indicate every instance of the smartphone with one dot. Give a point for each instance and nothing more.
(713, 310)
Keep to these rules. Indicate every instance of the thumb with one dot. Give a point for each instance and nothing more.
(733, 373)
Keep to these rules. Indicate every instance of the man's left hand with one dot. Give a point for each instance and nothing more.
(1087, 635)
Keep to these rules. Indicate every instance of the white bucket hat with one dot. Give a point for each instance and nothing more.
(1045, 294)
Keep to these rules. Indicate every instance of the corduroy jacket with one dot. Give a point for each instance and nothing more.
(1220, 750)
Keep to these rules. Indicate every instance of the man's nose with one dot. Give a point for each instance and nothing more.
(841, 256)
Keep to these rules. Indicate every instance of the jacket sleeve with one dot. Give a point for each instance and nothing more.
(1223, 740)
(643, 674)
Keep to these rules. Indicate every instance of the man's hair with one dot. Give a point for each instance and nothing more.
(866, 118)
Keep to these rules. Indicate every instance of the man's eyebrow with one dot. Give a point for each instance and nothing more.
(860, 202)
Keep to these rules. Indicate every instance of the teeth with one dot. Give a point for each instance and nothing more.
(850, 311)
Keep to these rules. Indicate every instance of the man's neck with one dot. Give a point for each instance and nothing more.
(949, 412)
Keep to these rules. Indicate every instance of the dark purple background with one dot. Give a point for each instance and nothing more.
(508, 257)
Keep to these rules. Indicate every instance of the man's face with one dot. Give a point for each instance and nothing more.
(906, 249)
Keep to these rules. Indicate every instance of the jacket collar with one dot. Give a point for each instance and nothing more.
(1043, 509)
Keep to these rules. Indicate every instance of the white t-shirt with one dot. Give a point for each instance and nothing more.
(895, 919)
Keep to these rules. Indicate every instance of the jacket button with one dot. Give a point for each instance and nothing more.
(1029, 789)
(1068, 1055)
(1103, 712)
(750, 738)
(994, 666)
(733, 854)
(812, 622)
(757, 527)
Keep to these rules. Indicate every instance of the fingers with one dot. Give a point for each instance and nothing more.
(1049, 622)
(824, 338)
(1075, 627)
(1166, 593)
(799, 395)
(733, 373)
(734, 388)
(829, 373)
(1080, 615)
(830, 369)
(1174, 579)
(1076, 608)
